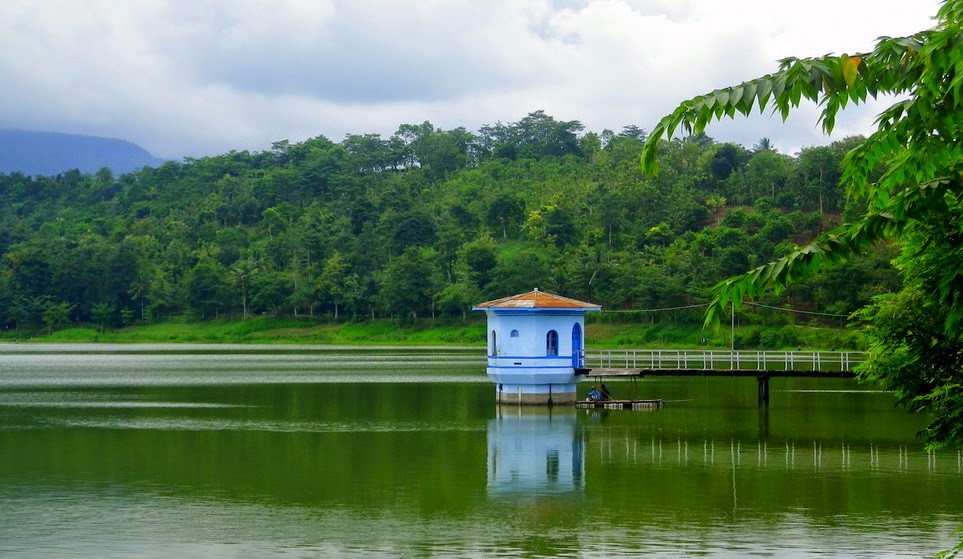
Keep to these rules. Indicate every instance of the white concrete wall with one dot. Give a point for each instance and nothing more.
(522, 360)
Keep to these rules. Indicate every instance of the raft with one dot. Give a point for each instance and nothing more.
(620, 404)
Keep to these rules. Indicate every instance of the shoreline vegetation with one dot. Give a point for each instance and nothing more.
(600, 334)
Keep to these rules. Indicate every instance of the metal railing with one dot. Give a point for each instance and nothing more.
(723, 360)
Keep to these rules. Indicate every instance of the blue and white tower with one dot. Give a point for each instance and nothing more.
(535, 344)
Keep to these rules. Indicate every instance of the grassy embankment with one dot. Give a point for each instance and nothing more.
(599, 334)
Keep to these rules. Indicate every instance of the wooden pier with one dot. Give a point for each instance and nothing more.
(783, 363)
(763, 365)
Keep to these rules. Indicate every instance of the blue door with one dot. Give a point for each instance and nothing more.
(577, 353)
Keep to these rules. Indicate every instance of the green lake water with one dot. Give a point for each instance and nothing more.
(237, 451)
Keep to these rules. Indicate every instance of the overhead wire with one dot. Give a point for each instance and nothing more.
(700, 305)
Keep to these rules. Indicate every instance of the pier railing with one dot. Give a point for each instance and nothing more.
(723, 360)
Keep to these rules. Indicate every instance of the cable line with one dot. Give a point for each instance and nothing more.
(696, 306)
(664, 309)
(797, 312)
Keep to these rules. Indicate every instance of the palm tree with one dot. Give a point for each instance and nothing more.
(764, 144)
(240, 275)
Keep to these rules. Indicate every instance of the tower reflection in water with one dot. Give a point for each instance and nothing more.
(535, 450)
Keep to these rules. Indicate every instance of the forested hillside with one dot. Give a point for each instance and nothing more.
(423, 223)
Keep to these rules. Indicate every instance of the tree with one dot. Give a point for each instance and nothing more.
(436, 151)
(917, 203)
(334, 279)
(633, 131)
(764, 144)
(551, 224)
(411, 228)
(504, 211)
(765, 171)
(103, 316)
(727, 159)
(715, 203)
(206, 287)
(817, 168)
(479, 257)
(270, 291)
(457, 298)
(369, 153)
(520, 271)
(240, 275)
(536, 135)
(409, 283)
(56, 314)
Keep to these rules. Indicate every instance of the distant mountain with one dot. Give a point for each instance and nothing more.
(51, 153)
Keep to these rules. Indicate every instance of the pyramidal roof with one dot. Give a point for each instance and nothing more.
(536, 299)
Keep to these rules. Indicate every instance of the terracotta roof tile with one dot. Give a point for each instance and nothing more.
(536, 300)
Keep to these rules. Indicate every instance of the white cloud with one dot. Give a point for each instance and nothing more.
(199, 78)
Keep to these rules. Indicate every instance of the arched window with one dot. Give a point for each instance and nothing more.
(493, 350)
(514, 333)
(551, 343)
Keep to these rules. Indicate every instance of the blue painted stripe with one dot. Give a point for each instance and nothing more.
(533, 357)
(517, 368)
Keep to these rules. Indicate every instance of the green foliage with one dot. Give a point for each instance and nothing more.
(956, 550)
(103, 315)
(916, 360)
(426, 222)
(409, 283)
(908, 175)
(55, 315)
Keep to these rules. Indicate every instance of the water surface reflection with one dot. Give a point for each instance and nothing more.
(534, 451)
(403, 453)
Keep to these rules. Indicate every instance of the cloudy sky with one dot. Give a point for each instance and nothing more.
(202, 77)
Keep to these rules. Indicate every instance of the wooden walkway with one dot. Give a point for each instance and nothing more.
(762, 365)
(635, 362)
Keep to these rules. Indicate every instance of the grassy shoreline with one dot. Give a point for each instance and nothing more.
(600, 334)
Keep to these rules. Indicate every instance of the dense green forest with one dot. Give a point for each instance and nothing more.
(425, 223)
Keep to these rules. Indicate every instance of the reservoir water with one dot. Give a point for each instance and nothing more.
(240, 451)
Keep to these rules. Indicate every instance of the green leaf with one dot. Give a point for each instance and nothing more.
(722, 96)
(735, 95)
(749, 94)
(763, 91)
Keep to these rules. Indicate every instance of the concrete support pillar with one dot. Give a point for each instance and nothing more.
(763, 381)
(535, 395)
